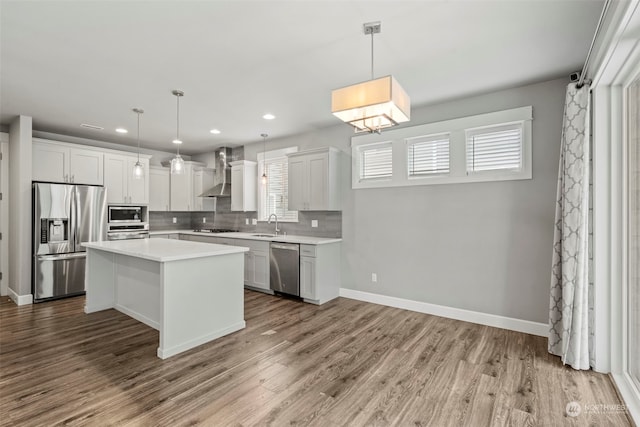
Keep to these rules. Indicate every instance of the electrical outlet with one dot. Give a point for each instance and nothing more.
(246, 221)
(254, 221)
(374, 277)
(314, 223)
(204, 220)
(175, 220)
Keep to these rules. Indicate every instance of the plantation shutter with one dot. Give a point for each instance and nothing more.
(494, 148)
(375, 162)
(429, 155)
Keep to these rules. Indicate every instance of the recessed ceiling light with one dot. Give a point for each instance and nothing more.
(122, 130)
(177, 141)
(268, 116)
(94, 127)
(215, 131)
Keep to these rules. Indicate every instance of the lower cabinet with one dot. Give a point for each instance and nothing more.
(320, 272)
(256, 264)
(165, 236)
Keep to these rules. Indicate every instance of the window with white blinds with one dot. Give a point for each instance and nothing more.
(274, 195)
(494, 148)
(428, 155)
(376, 162)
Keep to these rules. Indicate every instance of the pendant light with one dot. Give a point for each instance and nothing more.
(374, 104)
(264, 158)
(138, 168)
(177, 163)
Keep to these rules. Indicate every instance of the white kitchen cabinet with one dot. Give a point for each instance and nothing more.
(59, 162)
(159, 188)
(244, 182)
(122, 187)
(171, 236)
(203, 179)
(182, 191)
(314, 180)
(320, 272)
(256, 264)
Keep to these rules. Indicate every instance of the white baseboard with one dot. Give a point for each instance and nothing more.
(519, 325)
(164, 353)
(20, 299)
(630, 395)
(88, 309)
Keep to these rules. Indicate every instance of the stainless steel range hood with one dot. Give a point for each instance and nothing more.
(222, 175)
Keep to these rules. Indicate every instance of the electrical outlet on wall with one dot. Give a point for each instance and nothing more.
(204, 220)
(374, 277)
(246, 221)
(175, 220)
(314, 223)
(254, 221)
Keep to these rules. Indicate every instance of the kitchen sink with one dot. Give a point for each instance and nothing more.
(263, 235)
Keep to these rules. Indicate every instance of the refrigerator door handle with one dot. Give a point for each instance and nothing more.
(73, 217)
(61, 256)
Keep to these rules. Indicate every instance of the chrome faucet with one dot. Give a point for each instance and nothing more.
(269, 222)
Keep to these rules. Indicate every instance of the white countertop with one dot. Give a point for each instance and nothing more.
(304, 240)
(164, 250)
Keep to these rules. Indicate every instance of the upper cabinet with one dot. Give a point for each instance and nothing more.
(159, 179)
(244, 186)
(182, 194)
(314, 180)
(122, 187)
(59, 162)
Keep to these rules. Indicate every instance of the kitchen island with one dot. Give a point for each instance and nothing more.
(190, 292)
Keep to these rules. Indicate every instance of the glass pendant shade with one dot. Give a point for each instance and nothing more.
(138, 170)
(372, 105)
(177, 165)
(264, 179)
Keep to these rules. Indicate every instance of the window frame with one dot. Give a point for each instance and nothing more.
(272, 155)
(456, 128)
(360, 154)
(410, 142)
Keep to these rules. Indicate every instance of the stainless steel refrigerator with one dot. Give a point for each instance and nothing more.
(64, 216)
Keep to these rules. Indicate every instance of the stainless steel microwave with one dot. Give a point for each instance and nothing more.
(119, 214)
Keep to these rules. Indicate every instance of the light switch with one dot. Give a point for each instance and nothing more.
(314, 223)
(246, 221)
(175, 220)
(254, 221)
(204, 220)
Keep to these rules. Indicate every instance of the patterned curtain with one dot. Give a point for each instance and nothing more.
(569, 302)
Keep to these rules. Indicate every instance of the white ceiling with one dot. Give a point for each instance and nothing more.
(71, 62)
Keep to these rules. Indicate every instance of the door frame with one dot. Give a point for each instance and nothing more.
(4, 214)
(618, 68)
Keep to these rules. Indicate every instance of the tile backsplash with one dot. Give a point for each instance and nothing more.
(329, 222)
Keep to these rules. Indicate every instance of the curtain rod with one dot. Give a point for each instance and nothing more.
(581, 82)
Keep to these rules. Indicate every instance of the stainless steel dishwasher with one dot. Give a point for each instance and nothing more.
(284, 267)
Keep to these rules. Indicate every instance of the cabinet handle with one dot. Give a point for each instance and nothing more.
(66, 178)
(73, 178)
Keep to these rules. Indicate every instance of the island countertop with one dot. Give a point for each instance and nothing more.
(164, 250)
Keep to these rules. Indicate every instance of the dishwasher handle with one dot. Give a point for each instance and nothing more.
(286, 246)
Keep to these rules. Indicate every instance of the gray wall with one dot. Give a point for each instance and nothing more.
(481, 246)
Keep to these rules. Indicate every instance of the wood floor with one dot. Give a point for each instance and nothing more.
(346, 363)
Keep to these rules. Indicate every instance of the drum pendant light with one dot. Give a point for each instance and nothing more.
(138, 168)
(177, 163)
(372, 105)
